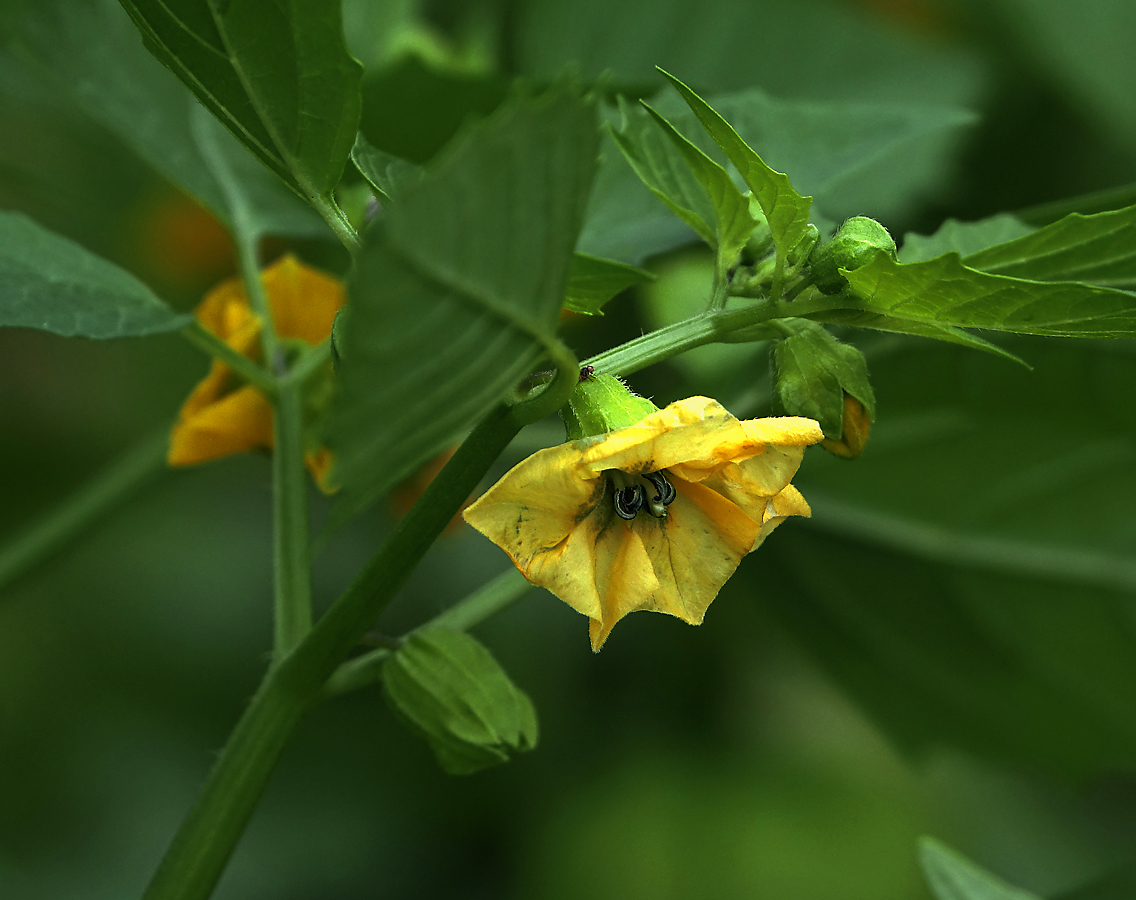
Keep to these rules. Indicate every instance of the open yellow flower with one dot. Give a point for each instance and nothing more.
(654, 516)
(223, 415)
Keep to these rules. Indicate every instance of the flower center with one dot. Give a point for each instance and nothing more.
(633, 492)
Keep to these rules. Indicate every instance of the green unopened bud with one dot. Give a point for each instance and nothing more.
(855, 245)
(805, 246)
(760, 240)
(814, 375)
(854, 432)
(452, 690)
(601, 404)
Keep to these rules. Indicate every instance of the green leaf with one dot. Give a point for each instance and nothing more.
(786, 210)
(383, 171)
(733, 222)
(458, 296)
(942, 291)
(661, 167)
(812, 372)
(121, 86)
(593, 281)
(1098, 249)
(48, 282)
(278, 76)
(954, 877)
(963, 238)
(452, 690)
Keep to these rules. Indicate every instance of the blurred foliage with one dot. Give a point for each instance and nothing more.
(947, 647)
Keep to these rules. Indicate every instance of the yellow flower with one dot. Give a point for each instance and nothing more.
(655, 516)
(224, 415)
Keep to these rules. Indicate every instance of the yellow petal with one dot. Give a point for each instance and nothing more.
(238, 422)
(303, 300)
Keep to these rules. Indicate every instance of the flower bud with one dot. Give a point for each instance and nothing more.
(601, 404)
(805, 246)
(815, 375)
(854, 433)
(852, 247)
(449, 687)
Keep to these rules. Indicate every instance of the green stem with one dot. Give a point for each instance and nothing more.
(292, 545)
(254, 290)
(93, 502)
(249, 370)
(338, 222)
(488, 600)
(206, 839)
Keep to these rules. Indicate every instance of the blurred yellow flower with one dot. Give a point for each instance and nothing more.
(223, 415)
(655, 516)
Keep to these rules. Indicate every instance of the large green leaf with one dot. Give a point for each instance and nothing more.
(50, 283)
(943, 291)
(786, 210)
(278, 75)
(1098, 249)
(970, 578)
(954, 877)
(117, 83)
(457, 297)
(963, 238)
(594, 281)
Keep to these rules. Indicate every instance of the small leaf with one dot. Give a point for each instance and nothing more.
(733, 222)
(451, 689)
(963, 238)
(942, 291)
(593, 281)
(278, 75)
(383, 171)
(954, 877)
(50, 283)
(786, 210)
(1098, 249)
(457, 296)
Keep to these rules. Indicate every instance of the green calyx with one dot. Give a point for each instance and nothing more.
(601, 404)
(852, 247)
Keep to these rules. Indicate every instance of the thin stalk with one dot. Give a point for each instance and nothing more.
(205, 841)
(338, 222)
(248, 369)
(486, 601)
(90, 504)
(292, 544)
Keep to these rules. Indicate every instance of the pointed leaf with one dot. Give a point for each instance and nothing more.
(50, 283)
(278, 75)
(385, 172)
(458, 295)
(786, 210)
(1098, 249)
(593, 281)
(733, 223)
(954, 877)
(942, 291)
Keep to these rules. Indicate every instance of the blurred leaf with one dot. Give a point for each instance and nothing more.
(452, 689)
(277, 75)
(1117, 885)
(963, 238)
(1098, 249)
(954, 877)
(793, 48)
(458, 297)
(48, 282)
(944, 291)
(116, 82)
(593, 281)
(786, 210)
(383, 171)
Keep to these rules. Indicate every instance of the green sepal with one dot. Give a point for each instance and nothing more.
(450, 688)
(601, 404)
(812, 371)
(859, 241)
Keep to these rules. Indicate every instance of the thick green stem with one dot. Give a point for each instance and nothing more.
(93, 502)
(206, 839)
(292, 546)
(338, 222)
